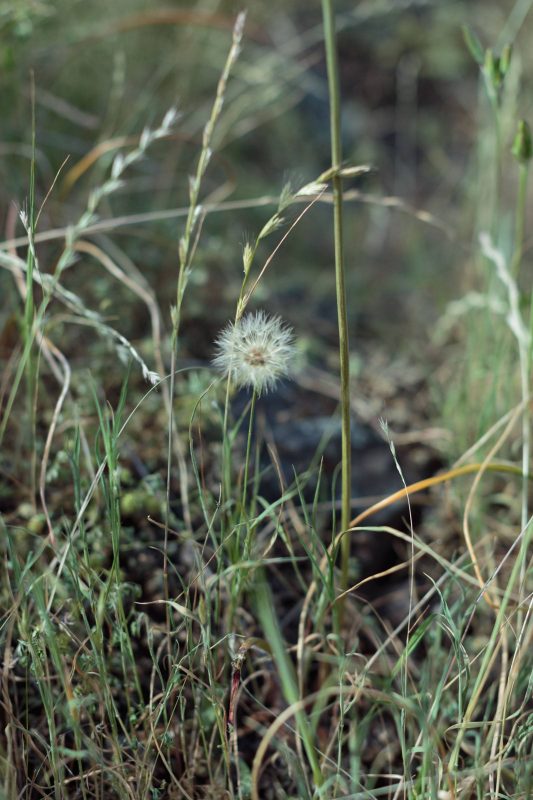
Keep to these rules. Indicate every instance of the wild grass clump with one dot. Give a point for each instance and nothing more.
(185, 612)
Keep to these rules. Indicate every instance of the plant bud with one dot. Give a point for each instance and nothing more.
(522, 148)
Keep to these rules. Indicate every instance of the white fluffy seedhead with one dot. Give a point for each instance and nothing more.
(256, 351)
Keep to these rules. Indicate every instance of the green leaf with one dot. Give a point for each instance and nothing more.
(474, 45)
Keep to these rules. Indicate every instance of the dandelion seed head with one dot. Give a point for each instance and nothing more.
(256, 351)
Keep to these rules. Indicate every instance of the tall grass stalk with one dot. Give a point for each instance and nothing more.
(521, 330)
(29, 304)
(336, 159)
(524, 353)
(520, 218)
(188, 241)
(187, 247)
(265, 611)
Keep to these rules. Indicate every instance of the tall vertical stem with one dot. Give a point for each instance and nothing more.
(336, 162)
(29, 306)
(525, 360)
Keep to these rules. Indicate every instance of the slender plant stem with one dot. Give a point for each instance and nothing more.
(247, 543)
(241, 547)
(520, 219)
(336, 158)
(265, 612)
(524, 357)
(497, 163)
(29, 306)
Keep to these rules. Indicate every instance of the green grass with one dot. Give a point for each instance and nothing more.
(184, 615)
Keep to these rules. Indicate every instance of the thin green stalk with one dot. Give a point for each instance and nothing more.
(265, 612)
(498, 170)
(336, 159)
(246, 472)
(237, 551)
(524, 353)
(520, 219)
(226, 446)
(29, 306)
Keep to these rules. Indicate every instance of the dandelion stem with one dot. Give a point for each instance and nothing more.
(336, 158)
(226, 446)
(247, 543)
